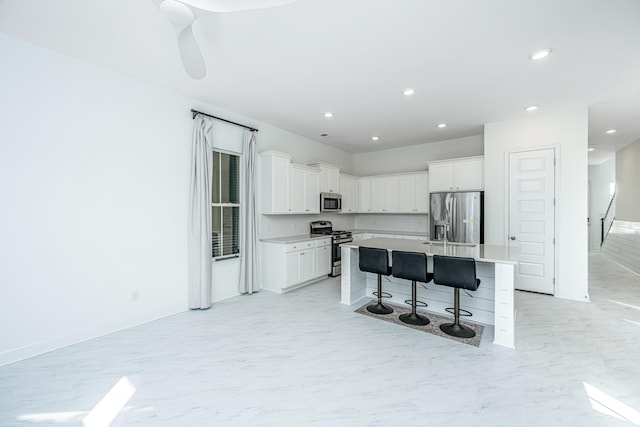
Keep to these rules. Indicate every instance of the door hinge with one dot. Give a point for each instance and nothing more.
(554, 201)
(554, 240)
(554, 280)
(554, 161)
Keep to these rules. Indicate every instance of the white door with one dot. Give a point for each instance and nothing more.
(532, 218)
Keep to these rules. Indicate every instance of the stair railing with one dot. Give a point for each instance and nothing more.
(607, 221)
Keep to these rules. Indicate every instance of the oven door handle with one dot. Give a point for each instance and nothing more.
(337, 242)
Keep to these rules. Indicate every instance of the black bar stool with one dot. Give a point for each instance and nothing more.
(458, 273)
(376, 260)
(411, 266)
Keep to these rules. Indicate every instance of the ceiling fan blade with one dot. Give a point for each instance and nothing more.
(190, 54)
(222, 6)
(182, 17)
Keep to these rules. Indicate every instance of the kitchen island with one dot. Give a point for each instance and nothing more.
(492, 303)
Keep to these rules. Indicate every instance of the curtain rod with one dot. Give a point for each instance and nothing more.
(194, 112)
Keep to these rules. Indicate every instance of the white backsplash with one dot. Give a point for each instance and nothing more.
(291, 225)
(387, 222)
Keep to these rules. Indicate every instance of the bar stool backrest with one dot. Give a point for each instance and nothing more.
(455, 272)
(374, 260)
(410, 266)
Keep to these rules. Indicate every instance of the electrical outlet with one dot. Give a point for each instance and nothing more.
(135, 296)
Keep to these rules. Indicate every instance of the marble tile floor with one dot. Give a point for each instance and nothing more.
(303, 359)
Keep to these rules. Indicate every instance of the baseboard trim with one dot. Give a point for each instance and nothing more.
(43, 347)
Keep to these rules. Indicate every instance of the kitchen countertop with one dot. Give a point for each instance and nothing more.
(400, 233)
(303, 237)
(483, 253)
(294, 239)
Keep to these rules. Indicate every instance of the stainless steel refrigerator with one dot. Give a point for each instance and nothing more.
(460, 215)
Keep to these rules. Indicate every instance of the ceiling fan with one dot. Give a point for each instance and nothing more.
(182, 15)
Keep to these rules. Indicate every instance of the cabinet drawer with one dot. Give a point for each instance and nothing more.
(322, 242)
(298, 246)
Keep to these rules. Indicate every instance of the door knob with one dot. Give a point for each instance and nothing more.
(513, 237)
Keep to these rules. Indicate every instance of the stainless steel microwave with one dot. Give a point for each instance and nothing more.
(330, 202)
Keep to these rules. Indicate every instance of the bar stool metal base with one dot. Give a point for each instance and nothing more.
(414, 319)
(457, 330)
(379, 308)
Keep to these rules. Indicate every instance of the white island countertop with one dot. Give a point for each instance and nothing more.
(492, 304)
(482, 253)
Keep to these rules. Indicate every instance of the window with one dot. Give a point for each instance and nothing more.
(225, 204)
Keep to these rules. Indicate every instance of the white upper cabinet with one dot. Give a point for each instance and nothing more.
(413, 193)
(304, 190)
(329, 177)
(384, 194)
(274, 173)
(456, 175)
(364, 195)
(349, 191)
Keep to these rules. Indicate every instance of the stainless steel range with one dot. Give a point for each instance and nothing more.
(337, 237)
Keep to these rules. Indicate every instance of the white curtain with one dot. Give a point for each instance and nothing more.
(248, 219)
(199, 251)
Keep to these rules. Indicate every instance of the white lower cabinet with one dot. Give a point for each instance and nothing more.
(300, 266)
(286, 266)
(323, 259)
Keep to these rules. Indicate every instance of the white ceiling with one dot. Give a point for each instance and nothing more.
(467, 60)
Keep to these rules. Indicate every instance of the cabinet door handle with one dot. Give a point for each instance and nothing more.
(513, 237)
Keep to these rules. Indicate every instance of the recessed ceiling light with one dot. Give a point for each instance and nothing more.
(324, 134)
(542, 53)
(328, 114)
(442, 125)
(590, 149)
(409, 92)
(532, 108)
(610, 131)
(375, 138)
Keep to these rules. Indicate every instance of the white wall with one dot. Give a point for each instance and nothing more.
(94, 172)
(414, 158)
(600, 178)
(303, 150)
(568, 132)
(627, 182)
